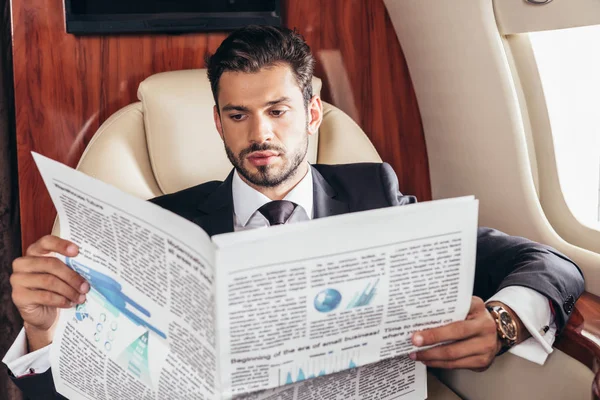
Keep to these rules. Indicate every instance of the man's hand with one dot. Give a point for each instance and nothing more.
(475, 341)
(41, 284)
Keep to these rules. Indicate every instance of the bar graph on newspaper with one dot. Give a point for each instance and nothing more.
(319, 366)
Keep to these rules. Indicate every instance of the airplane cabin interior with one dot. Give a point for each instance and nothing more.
(495, 99)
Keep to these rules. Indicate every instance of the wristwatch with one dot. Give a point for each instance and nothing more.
(506, 326)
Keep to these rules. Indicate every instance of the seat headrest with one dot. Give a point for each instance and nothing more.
(184, 146)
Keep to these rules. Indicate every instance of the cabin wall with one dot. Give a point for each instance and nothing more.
(10, 323)
(66, 86)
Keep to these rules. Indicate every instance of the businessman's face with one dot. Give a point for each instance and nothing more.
(265, 124)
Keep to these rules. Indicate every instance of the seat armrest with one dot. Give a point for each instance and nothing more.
(581, 337)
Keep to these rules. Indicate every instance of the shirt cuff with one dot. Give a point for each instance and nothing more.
(21, 363)
(534, 311)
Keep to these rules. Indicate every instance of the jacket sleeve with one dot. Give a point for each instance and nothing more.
(504, 260)
(389, 182)
(38, 386)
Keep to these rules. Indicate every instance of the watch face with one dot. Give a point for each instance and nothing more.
(508, 327)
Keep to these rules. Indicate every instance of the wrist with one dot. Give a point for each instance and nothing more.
(37, 338)
(522, 332)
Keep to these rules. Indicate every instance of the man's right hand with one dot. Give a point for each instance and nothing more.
(41, 284)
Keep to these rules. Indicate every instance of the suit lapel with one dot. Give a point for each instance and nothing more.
(325, 203)
(217, 210)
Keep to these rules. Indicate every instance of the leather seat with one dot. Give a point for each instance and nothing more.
(167, 142)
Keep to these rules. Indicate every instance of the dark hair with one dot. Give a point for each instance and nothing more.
(254, 47)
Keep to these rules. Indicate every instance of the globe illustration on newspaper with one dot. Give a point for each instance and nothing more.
(327, 300)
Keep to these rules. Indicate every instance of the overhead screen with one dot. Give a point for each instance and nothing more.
(131, 16)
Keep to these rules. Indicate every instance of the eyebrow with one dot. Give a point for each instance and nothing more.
(277, 101)
(232, 107)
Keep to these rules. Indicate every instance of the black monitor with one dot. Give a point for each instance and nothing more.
(131, 16)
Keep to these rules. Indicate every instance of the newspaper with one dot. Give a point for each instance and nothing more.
(322, 309)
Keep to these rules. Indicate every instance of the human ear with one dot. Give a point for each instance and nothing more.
(315, 114)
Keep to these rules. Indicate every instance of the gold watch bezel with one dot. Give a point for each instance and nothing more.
(497, 312)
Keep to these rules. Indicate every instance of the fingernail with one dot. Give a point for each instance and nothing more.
(71, 304)
(81, 298)
(412, 356)
(72, 249)
(85, 287)
(418, 340)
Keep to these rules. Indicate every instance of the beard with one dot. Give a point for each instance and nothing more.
(269, 175)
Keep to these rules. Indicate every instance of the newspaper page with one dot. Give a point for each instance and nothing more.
(146, 330)
(340, 292)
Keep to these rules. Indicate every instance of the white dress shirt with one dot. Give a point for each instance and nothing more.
(532, 307)
(247, 201)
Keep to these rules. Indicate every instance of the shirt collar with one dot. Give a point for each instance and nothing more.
(247, 200)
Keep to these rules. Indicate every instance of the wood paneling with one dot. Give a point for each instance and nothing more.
(581, 336)
(10, 244)
(66, 86)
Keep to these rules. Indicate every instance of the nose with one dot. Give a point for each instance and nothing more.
(261, 130)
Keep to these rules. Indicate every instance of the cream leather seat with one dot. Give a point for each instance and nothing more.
(167, 142)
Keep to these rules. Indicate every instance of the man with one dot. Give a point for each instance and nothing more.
(264, 112)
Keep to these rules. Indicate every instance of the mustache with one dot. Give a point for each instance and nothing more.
(261, 147)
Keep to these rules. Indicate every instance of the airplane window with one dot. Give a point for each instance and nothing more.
(569, 63)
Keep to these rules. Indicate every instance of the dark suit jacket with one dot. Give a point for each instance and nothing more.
(502, 260)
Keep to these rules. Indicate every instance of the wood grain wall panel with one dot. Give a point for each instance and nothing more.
(10, 244)
(66, 86)
(382, 89)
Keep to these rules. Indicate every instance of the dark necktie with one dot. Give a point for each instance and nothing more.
(277, 212)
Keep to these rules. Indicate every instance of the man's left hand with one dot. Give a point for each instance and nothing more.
(474, 346)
